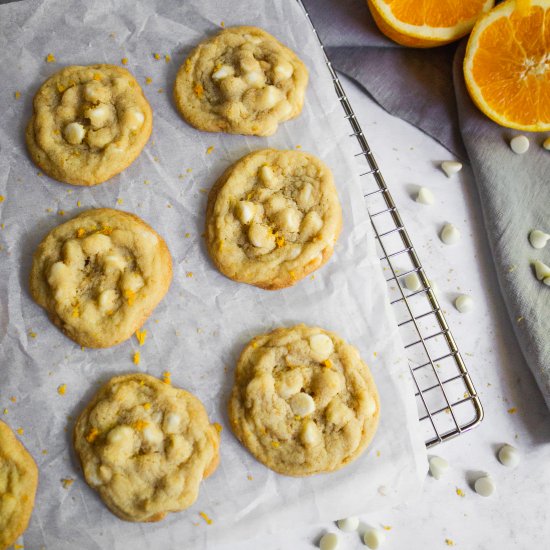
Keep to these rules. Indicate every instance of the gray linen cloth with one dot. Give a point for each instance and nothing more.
(426, 88)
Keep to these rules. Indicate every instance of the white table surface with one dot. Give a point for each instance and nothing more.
(517, 515)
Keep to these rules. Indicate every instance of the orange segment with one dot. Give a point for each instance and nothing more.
(507, 65)
(427, 23)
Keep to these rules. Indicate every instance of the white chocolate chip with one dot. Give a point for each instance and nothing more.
(373, 538)
(233, 87)
(425, 196)
(74, 133)
(348, 525)
(267, 176)
(59, 272)
(134, 119)
(519, 144)
(269, 97)
(546, 143)
(283, 70)
(288, 219)
(310, 434)
(255, 79)
(321, 346)
(223, 72)
(107, 300)
(464, 303)
(245, 211)
(132, 281)
(538, 239)
(484, 486)
(249, 63)
(329, 541)
(311, 225)
(122, 438)
(152, 434)
(302, 404)
(275, 203)
(542, 271)
(171, 423)
(94, 92)
(114, 262)
(451, 167)
(438, 467)
(412, 282)
(289, 383)
(96, 244)
(98, 115)
(305, 196)
(253, 39)
(508, 456)
(261, 236)
(450, 234)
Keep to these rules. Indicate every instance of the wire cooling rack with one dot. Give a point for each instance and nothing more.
(448, 404)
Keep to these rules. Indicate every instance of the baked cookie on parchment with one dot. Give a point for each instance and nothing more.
(18, 482)
(100, 275)
(303, 401)
(145, 446)
(241, 81)
(89, 123)
(272, 218)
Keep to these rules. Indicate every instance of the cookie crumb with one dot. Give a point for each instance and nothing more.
(210, 149)
(61, 212)
(187, 235)
(189, 274)
(50, 58)
(160, 90)
(5, 411)
(67, 482)
(120, 201)
(141, 336)
(124, 61)
(167, 58)
(298, 146)
(218, 427)
(20, 431)
(2, 198)
(222, 24)
(460, 492)
(13, 399)
(156, 56)
(44, 451)
(62, 389)
(249, 477)
(148, 80)
(449, 542)
(78, 204)
(17, 95)
(512, 410)
(386, 527)
(189, 170)
(136, 358)
(205, 518)
(167, 377)
(32, 334)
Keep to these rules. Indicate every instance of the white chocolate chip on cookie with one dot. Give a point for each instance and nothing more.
(310, 433)
(302, 404)
(96, 244)
(171, 423)
(99, 116)
(321, 346)
(245, 211)
(283, 70)
(135, 119)
(288, 219)
(74, 133)
(223, 72)
(261, 236)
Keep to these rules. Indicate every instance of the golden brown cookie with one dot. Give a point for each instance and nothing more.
(303, 401)
(272, 218)
(145, 446)
(18, 482)
(241, 81)
(89, 123)
(100, 275)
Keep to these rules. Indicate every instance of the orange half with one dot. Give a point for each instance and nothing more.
(427, 23)
(507, 64)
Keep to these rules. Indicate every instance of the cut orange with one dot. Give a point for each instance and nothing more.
(427, 23)
(507, 64)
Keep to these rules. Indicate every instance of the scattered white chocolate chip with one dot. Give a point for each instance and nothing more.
(172, 422)
(438, 467)
(329, 541)
(132, 281)
(269, 97)
(310, 433)
(152, 434)
(59, 272)
(288, 219)
(348, 525)
(74, 133)
(267, 176)
(546, 143)
(283, 70)
(425, 196)
(114, 261)
(311, 225)
(484, 486)
(107, 300)
(223, 72)
(450, 234)
(451, 167)
(135, 119)
(96, 244)
(321, 346)
(261, 236)
(412, 281)
(302, 404)
(538, 239)
(508, 456)
(519, 144)
(464, 303)
(98, 115)
(245, 211)
(255, 79)
(373, 538)
(542, 271)
(289, 383)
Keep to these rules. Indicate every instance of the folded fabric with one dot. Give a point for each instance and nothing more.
(426, 88)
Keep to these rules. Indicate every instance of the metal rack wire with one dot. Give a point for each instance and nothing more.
(447, 402)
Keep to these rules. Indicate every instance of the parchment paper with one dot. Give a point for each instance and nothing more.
(200, 327)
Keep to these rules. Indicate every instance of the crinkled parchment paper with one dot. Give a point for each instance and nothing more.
(202, 324)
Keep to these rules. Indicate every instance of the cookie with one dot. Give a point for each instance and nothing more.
(303, 401)
(100, 275)
(18, 482)
(145, 446)
(89, 123)
(241, 81)
(272, 218)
